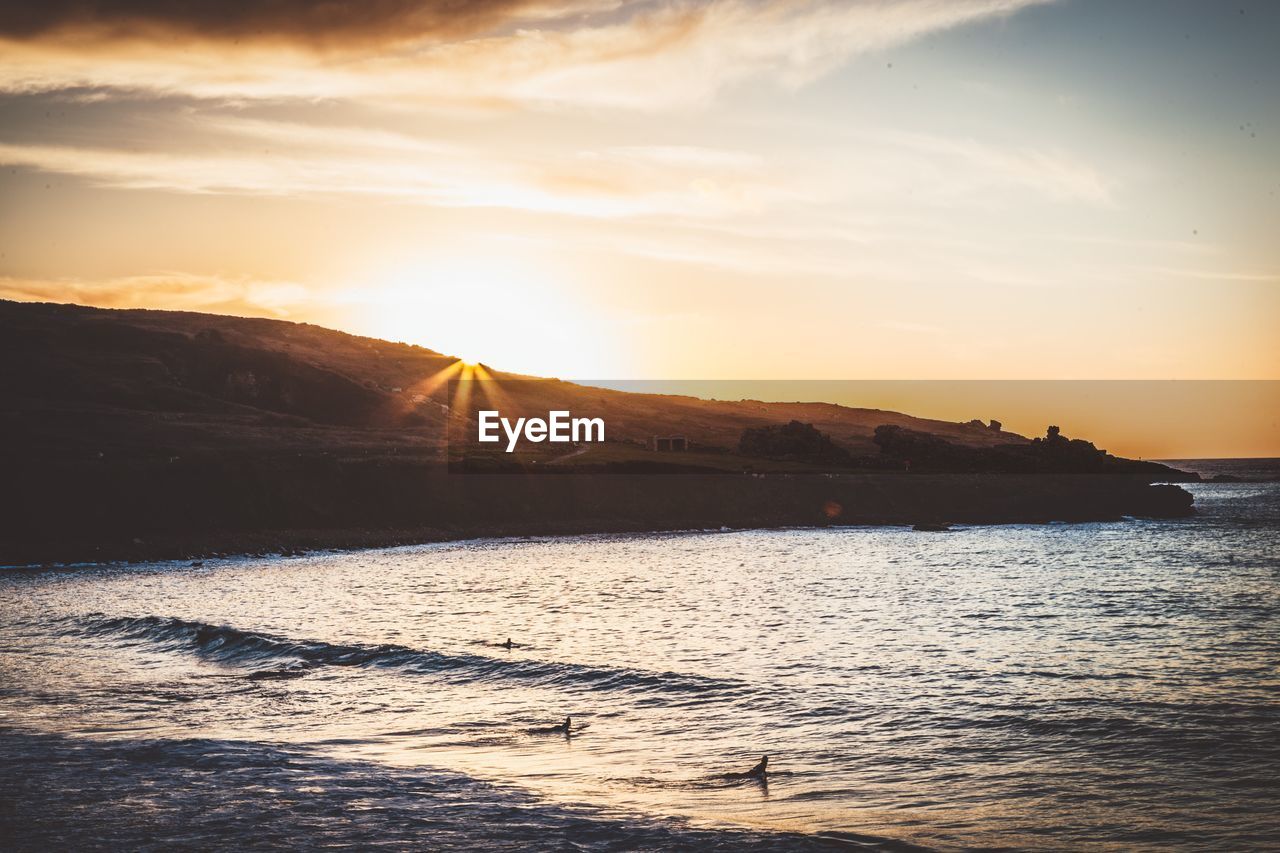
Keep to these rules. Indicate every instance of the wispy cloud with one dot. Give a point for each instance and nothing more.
(319, 25)
(949, 168)
(233, 155)
(225, 152)
(632, 55)
(1234, 276)
(169, 290)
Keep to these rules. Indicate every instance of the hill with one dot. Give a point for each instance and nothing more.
(80, 380)
(126, 428)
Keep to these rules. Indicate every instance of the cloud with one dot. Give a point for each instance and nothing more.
(958, 167)
(316, 23)
(226, 154)
(688, 54)
(1233, 276)
(637, 55)
(175, 291)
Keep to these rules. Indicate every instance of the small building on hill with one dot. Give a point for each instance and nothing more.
(669, 443)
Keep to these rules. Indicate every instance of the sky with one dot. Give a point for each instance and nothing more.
(734, 189)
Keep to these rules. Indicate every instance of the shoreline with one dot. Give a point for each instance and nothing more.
(127, 532)
(315, 543)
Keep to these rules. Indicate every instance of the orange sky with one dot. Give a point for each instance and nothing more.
(1149, 419)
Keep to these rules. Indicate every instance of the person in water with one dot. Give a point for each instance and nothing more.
(760, 771)
(508, 644)
(564, 728)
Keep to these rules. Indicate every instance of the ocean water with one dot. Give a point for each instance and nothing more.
(1063, 687)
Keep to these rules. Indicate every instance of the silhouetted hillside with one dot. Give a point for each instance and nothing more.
(155, 433)
(157, 383)
(1053, 454)
(793, 440)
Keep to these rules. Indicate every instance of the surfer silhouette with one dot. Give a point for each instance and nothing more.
(566, 728)
(508, 644)
(760, 771)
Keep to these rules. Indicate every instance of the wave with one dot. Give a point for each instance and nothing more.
(270, 656)
(206, 794)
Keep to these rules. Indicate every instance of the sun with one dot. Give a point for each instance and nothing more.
(499, 308)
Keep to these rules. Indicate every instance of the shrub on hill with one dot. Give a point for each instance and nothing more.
(794, 441)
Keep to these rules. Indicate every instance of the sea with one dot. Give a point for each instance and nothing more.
(1020, 687)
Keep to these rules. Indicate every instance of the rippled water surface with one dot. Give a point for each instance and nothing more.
(1061, 687)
